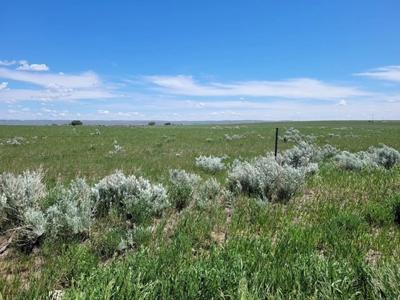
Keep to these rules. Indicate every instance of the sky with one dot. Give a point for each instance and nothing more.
(200, 60)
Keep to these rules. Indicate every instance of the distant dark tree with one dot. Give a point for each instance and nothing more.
(167, 123)
(76, 122)
(152, 123)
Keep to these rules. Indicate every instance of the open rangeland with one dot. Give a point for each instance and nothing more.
(200, 211)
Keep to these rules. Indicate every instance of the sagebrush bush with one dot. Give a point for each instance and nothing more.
(182, 187)
(325, 152)
(288, 182)
(212, 164)
(300, 155)
(117, 148)
(129, 193)
(265, 178)
(293, 135)
(384, 156)
(349, 161)
(20, 206)
(207, 192)
(17, 140)
(21, 192)
(73, 211)
(375, 157)
(233, 137)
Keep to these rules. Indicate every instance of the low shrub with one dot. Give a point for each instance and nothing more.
(293, 135)
(211, 164)
(73, 211)
(182, 187)
(20, 206)
(265, 178)
(300, 155)
(117, 148)
(385, 156)
(207, 192)
(350, 161)
(130, 195)
(233, 137)
(376, 157)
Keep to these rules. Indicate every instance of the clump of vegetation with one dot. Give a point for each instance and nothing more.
(73, 211)
(15, 141)
(152, 123)
(207, 192)
(20, 207)
(376, 157)
(131, 195)
(385, 156)
(76, 122)
(233, 137)
(211, 164)
(182, 187)
(96, 132)
(293, 135)
(265, 178)
(117, 148)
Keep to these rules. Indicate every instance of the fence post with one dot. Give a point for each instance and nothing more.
(276, 142)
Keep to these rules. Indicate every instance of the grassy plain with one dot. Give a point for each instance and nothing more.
(338, 238)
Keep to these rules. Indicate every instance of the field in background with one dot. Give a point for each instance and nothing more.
(337, 238)
(65, 152)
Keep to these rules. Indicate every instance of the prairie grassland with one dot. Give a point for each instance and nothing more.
(65, 152)
(338, 237)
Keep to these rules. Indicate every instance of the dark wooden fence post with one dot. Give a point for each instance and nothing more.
(276, 142)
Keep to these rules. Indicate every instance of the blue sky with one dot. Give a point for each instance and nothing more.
(200, 60)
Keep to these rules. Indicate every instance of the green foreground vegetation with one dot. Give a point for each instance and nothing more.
(339, 237)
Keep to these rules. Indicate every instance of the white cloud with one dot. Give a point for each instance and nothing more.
(301, 88)
(7, 62)
(3, 85)
(389, 73)
(103, 112)
(53, 80)
(51, 95)
(25, 66)
(55, 86)
(342, 102)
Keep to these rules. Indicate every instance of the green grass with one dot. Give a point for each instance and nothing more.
(338, 238)
(65, 152)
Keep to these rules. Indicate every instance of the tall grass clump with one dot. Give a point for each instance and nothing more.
(211, 164)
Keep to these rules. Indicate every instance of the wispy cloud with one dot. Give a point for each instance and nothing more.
(301, 88)
(7, 62)
(54, 86)
(53, 80)
(389, 73)
(3, 85)
(55, 94)
(25, 66)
